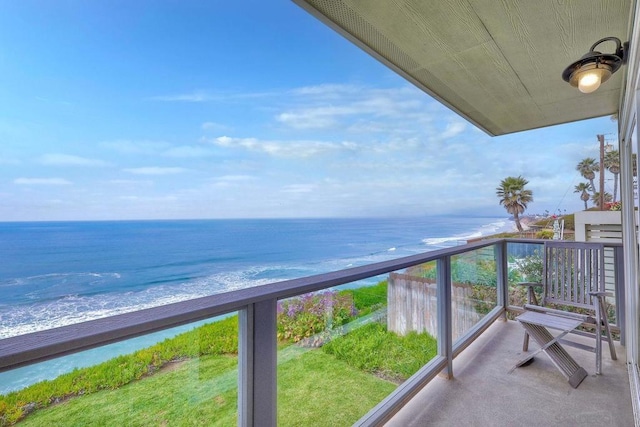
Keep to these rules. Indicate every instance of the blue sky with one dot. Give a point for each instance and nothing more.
(212, 109)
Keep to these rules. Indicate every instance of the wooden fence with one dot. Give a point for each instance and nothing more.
(412, 302)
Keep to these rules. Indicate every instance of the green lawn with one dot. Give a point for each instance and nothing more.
(191, 379)
(313, 389)
(193, 393)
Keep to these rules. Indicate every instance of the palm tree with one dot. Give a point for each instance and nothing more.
(596, 198)
(584, 196)
(612, 162)
(588, 168)
(514, 197)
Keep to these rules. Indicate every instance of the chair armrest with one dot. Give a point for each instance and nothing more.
(600, 294)
(530, 284)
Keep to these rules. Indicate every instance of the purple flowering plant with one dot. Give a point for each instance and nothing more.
(310, 314)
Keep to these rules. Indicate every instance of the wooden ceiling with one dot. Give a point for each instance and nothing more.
(496, 63)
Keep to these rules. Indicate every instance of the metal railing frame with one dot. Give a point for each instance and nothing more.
(257, 308)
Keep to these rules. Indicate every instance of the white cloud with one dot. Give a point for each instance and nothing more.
(235, 178)
(303, 149)
(232, 180)
(283, 148)
(130, 182)
(316, 118)
(454, 129)
(155, 170)
(206, 96)
(158, 199)
(328, 90)
(187, 151)
(70, 160)
(41, 181)
(146, 147)
(330, 106)
(299, 188)
(197, 96)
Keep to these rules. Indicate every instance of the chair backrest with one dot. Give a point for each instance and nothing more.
(571, 270)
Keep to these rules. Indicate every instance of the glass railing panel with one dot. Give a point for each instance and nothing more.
(343, 350)
(524, 264)
(182, 375)
(473, 288)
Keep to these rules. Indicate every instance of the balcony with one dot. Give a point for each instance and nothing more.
(485, 391)
(464, 319)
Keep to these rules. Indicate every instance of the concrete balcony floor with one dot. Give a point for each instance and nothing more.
(486, 392)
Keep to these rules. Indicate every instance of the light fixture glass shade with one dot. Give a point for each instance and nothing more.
(590, 81)
(589, 77)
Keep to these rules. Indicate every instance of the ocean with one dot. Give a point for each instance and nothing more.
(58, 273)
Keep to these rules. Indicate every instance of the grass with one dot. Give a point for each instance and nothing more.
(191, 379)
(198, 392)
(313, 388)
(369, 298)
(375, 350)
(569, 222)
(217, 338)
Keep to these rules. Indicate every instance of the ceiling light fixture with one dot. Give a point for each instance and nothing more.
(595, 68)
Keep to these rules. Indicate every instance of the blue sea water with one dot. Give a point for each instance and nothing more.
(57, 273)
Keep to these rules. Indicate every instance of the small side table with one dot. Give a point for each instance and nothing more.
(536, 325)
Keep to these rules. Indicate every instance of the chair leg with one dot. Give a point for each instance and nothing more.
(525, 343)
(531, 298)
(607, 330)
(612, 348)
(598, 341)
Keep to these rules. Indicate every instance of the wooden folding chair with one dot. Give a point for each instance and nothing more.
(573, 285)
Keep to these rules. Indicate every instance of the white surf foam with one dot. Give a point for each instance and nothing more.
(484, 230)
(71, 309)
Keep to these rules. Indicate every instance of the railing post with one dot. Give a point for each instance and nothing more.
(445, 329)
(257, 370)
(502, 279)
(618, 257)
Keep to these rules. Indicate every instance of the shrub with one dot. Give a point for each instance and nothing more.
(307, 315)
(613, 206)
(544, 234)
(530, 267)
(469, 271)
